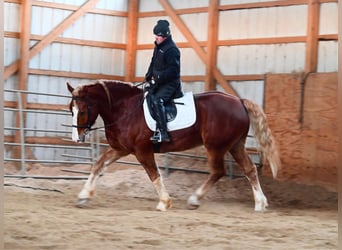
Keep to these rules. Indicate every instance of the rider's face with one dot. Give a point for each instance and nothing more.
(160, 39)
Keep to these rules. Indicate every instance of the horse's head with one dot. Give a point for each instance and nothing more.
(84, 112)
(102, 97)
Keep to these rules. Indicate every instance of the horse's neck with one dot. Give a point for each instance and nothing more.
(122, 105)
(120, 91)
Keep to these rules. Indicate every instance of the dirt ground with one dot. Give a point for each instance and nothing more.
(41, 214)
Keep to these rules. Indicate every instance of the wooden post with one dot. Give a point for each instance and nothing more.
(196, 46)
(213, 17)
(25, 32)
(132, 29)
(312, 36)
(25, 24)
(311, 51)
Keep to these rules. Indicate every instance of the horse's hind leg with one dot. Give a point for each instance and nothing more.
(240, 155)
(217, 170)
(106, 158)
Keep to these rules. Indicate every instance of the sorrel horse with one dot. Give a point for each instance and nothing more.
(222, 125)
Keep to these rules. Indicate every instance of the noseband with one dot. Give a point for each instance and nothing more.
(87, 127)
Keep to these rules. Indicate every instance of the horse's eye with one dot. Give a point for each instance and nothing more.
(82, 112)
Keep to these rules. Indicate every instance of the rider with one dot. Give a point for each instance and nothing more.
(164, 69)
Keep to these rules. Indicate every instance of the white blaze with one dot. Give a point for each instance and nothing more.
(74, 136)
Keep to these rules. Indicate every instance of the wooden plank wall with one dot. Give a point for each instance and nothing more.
(213, 74)
(304, 122)
(302, 115)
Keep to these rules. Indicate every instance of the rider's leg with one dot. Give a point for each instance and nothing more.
(159, 109)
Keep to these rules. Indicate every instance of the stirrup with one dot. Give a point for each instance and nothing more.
(159, 137)
(156, 137)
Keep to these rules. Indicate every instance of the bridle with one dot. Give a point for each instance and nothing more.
(88, 127)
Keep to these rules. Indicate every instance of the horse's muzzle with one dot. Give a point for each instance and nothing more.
(81, 138)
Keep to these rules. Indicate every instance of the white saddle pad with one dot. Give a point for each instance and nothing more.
(186, 114)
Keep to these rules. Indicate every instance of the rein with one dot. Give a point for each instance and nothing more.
(87, 127)
(140, 83)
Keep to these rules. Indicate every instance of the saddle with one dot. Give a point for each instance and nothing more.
(180, 112)
(170, 109)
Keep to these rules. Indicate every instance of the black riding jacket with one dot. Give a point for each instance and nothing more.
(165, 63)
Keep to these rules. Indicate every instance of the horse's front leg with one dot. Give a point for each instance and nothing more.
(164, 197)
(148, 162)
(88, 190)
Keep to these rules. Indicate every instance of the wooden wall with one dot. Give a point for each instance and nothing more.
(302, 113)
(237, 44)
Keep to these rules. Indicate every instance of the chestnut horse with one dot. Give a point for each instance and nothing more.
(222, 124)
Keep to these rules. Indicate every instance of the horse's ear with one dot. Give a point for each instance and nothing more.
(70, 88)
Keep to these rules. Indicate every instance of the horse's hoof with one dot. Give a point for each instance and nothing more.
(82, 202)
(193, 202)
(192, 206)
(261, 206)
(163, 206)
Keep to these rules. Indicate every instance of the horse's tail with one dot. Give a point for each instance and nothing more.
(263, 135)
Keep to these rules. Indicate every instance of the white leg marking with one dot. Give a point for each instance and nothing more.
(74, 136)
(259, 198)
(193, 201)
(88, 187)
(164, 197)
(194, 198)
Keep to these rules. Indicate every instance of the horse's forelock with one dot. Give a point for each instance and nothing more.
(80, 89)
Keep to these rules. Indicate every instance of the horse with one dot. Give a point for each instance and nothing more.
(222, 125)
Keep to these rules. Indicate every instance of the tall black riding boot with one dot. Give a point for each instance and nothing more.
(161, 135)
